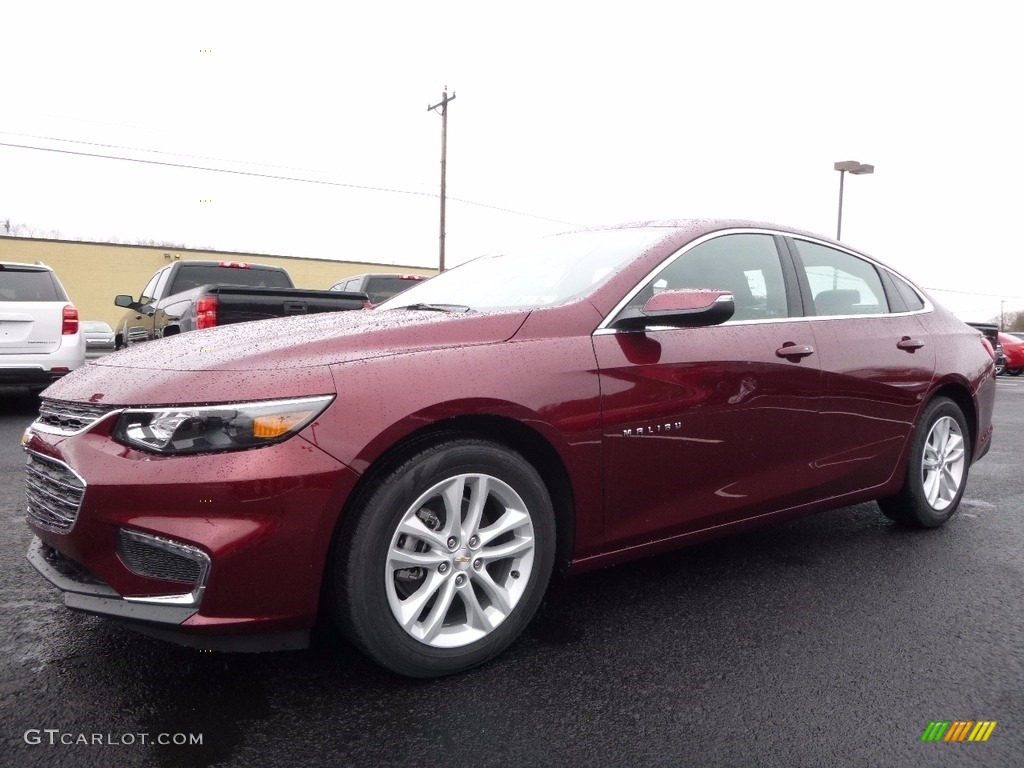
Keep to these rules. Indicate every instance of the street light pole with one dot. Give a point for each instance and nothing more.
(844, 167)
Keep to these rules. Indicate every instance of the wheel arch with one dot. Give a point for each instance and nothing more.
(961, 395)
(502, 430)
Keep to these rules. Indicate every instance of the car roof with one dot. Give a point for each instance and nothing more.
(38, 266)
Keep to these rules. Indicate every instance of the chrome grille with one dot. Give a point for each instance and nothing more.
(68, 418)
(53, 492)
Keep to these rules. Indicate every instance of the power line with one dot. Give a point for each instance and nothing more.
(273, 176)
(143, 149)
(973, 293)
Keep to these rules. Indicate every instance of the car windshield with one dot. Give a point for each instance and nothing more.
(546, 272)
(27, 284)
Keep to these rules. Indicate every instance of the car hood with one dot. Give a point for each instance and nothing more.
(290, 355)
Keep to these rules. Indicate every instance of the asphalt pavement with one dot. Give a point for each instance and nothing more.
(830, 641)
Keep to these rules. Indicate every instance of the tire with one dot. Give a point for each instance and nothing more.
(1000, 365)
(412, 546)
(118, 342)
(1015, 371)
(940, 457)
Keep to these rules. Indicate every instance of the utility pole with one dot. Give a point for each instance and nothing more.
(443, 104)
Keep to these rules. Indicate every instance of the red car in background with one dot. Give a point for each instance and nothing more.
(415, 473)
(1013, 350)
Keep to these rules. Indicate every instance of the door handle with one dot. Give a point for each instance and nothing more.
(908, 344)
(794, 351)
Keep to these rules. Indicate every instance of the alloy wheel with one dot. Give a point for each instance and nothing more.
(943, 463)
(460, 560)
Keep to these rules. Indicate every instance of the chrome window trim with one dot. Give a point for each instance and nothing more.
(603, 328)
(731, 323)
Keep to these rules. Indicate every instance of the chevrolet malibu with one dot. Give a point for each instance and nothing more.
(415, 472)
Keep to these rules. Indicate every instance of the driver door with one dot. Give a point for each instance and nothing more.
(704, 426)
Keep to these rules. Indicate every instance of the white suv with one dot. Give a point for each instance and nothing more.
(39, 336)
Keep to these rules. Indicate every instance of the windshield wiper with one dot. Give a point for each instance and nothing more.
(437, 307)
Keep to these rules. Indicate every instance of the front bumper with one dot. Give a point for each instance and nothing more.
(84, 592)
(223, 550)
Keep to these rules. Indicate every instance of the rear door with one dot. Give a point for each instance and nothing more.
(703, 425)
(877, 364)
(31, 310)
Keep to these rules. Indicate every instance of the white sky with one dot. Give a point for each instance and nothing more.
(582, 112)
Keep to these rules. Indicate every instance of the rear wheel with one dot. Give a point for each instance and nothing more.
(447, 559)
(940, 457)
(1015, 371)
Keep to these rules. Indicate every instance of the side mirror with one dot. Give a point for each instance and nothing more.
(679, 309)
(126, 301)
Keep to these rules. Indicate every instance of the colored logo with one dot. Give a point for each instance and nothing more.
(958, 730)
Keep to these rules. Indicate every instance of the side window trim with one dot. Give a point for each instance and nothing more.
(806, 296)
(897, 304)
(792, 273)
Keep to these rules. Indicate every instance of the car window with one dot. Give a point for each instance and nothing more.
(382, 287)
(28, 284)
(907, 293)
(161, 282)
(150, 290)
(841, 283)
(542, 273)
(747, 265)
(193, 275)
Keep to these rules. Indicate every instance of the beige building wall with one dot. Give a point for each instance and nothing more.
(93, 273)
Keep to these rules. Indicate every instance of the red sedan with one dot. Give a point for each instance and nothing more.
(1013, 350)
(416, 472)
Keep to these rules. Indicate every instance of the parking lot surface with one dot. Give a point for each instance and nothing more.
(829, 641)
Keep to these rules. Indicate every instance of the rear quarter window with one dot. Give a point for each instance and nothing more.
(17, 284)
(909, 295)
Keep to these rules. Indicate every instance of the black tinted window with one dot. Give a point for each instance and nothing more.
(384, 287)
(908, 294)
(193, 275)
(26, 284)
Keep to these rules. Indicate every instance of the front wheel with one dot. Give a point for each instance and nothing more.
(940, 456)
(446, 560)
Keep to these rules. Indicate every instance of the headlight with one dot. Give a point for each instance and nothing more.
(207, 428)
